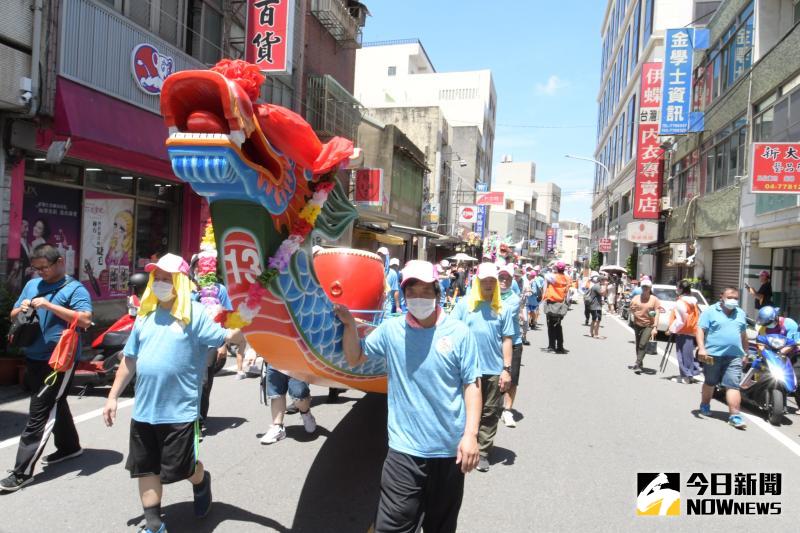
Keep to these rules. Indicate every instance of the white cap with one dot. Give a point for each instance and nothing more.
(508, 269)
(444, 263)
(487, 270)
(420, 270)
(646, 283)
(394, 261)
(383, 250)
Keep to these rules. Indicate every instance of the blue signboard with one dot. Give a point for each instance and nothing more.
(481, 221)
(677, 117)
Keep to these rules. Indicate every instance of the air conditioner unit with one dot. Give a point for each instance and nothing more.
(665, 203)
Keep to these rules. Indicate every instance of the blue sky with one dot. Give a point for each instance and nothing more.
(545, 60)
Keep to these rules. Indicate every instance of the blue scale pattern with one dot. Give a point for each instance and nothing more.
(313, 314)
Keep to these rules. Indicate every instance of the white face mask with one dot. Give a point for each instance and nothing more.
(730, 303)
(162, 290)
(421, 308)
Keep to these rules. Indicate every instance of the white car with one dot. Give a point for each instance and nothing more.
(668, 294)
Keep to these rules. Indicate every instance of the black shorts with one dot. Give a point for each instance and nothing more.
(165, 450)
(516, 362)
(417, 491)
(596, 314)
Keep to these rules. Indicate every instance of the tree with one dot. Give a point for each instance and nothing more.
(597, 261)
(631, 266)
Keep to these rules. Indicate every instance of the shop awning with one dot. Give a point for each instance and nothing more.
(110, 132)
(366, 214)
(384, 238)
(416, 231)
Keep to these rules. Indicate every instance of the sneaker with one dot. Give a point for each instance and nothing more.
(202, 498)
(483, 464)
(274, 434)
(705, 409)
(637, 369)
(241, 374)
(508, 419)
(561, 351)
(59, 455)
(526, 342)
(14, 482)
(737, 421)
(309, 422)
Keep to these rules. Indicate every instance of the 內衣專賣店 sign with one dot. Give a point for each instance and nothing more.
(270, 35)
(649, 155)
(776, 168)
(150, 68)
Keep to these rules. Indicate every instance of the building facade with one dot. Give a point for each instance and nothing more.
(632, 34)
(84, 162)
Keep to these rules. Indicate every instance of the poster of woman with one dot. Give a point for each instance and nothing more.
(50, 215)
(107, 244)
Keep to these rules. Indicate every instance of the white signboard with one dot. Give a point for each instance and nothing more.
(641, 232)
(467, 214)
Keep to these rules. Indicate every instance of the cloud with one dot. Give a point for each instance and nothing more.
(554, 84)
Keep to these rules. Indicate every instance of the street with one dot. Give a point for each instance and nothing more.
(586, 426)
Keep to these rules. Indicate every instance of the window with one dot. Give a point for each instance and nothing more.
(637, 17)
(162, 17)
(392, 71)
(204, 32)
(630, 145)
(626, 203)
(169, 20)
(624, 78)
(139, 12)
(703, 11)
(648, 22)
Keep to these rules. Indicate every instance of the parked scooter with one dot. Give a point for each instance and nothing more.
(624, 306)
(98, 363)
(769, 376)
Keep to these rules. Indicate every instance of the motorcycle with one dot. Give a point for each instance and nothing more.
(97, 364)
(769, 376)
(625, 306)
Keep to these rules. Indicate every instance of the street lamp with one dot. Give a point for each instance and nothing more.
(608, 193)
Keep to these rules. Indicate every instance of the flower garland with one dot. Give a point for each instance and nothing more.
(278, 264)
(206, 275)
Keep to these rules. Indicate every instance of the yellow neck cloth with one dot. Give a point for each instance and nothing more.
(181, 306)
(474, 298)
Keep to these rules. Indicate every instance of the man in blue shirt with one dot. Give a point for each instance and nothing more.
(493, 329)
(721, 343)
(167, 353)
(434, 406)
(57, 299)
(392, 288)
(512, 304)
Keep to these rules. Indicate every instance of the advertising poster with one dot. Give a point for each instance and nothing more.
(107, 245)
(50, 215)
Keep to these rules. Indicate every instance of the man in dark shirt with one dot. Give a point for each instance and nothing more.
(763, 296)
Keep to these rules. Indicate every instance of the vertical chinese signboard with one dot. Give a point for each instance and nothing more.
(269, 35)
(677, 86)
(550, 240)
(776, 168)
(649, 156)
(481, 187)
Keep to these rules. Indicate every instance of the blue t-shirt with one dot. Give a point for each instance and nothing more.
(537, 289)
(222, 294)
(444, 285)
(515, 287)
(427, 371)
(393, 285)
(72, 296)
(170, 363)
(511, 303)
(488, 328)
(723, 333)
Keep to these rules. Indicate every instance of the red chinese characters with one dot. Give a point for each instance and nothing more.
(776, 168)
(269, 35)
(649, 155)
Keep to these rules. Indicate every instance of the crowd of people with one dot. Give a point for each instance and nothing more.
(452, 335)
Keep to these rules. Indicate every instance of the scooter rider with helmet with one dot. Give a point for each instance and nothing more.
(770, 322)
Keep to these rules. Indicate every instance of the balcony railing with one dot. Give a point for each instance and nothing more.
(336, 18)
(331, 109)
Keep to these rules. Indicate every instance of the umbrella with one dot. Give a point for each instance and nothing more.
(613, 268)
(462, 257)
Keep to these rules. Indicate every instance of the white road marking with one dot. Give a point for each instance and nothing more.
(88, 416)
(793, 446)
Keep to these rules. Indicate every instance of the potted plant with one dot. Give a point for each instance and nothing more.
(10, 358)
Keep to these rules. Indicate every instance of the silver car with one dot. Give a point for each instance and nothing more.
(668, 294)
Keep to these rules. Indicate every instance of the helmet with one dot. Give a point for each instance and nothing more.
(767, 316)
(138, 282)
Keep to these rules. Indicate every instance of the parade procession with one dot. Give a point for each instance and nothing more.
(272, 265)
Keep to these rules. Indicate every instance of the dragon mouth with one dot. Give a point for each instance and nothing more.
(204, 108)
